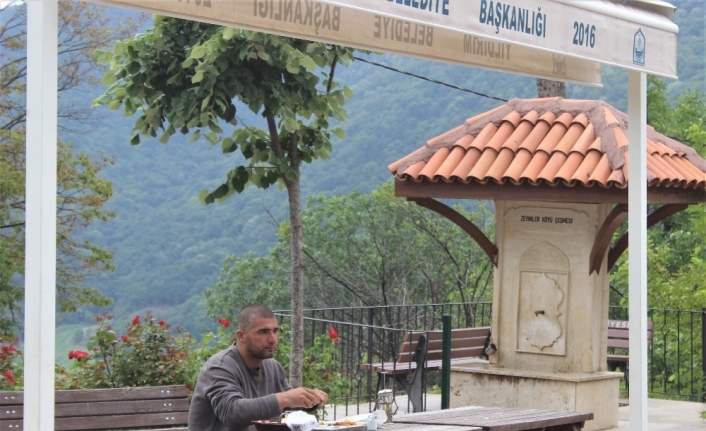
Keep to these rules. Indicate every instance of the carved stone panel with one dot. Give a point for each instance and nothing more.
(543, 299)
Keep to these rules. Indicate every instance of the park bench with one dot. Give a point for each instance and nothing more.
(157, 408)
(618, 345)
(421, 351)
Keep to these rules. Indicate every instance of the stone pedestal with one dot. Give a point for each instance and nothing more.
(497, 387)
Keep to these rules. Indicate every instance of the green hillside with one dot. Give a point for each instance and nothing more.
(169, 247)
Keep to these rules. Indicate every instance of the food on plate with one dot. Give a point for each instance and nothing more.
(346, 422)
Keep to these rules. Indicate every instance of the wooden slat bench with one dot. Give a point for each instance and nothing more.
(501, 419)
(425, 347)
(161, 407)
(619, 343)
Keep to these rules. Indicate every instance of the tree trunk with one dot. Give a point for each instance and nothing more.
(548, 88)
(295, 237)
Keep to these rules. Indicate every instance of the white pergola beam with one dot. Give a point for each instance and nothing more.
(637, 246)
(40, 215)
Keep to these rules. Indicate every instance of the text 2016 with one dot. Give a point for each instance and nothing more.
(584, 34)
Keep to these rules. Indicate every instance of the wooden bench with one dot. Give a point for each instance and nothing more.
(618, 345)
(421, 351)
(161, 407)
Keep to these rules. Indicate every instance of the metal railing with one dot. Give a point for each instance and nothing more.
(676, 366)
(374, 334)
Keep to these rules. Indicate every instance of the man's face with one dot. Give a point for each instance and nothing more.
(261, 339)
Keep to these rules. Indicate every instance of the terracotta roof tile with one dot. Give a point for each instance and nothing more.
(435, 162)
(414, 170)
(570, 166)
(463, 169)
(484, 136)
(501, 135)
(549, 141)
(570, 138)
(453, 159)
(585, 169)
(535, 166)
(483, 164)
(502, 162)
(601, 172)
(553, 137)
(465, 142)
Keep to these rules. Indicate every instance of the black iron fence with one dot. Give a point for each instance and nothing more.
(374, 334)
(676, 366)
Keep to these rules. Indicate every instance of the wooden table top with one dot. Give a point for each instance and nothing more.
(398, 426)
(496, 418)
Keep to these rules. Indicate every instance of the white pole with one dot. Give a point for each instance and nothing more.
(40, 215)
(637, 246)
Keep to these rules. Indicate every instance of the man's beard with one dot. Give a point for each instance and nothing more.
(262, 353)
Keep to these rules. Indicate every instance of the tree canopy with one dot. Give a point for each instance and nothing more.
(366, 250)
(81, 192)
(186, 77)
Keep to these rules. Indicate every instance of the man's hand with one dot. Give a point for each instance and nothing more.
(302, 398)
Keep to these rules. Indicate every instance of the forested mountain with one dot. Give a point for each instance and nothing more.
(169, 247)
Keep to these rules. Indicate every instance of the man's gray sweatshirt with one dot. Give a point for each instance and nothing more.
(229, 395)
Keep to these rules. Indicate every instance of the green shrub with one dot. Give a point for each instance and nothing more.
(148, 354)
(11, 365)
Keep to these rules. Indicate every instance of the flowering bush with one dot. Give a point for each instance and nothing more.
(147, 355)
(10, 365)
(321, 365)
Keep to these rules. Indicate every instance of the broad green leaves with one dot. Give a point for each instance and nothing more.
(187, 77)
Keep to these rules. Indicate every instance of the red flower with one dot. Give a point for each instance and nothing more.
(125, 338)
(8, 349)
(78, 355)
(9, 375)
(136, 320)
(333, 334)
(161, 323)
(223, 322)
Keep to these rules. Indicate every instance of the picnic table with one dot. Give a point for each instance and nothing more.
(426, 427)
(500, 419)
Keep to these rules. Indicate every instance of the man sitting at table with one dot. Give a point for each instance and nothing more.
(243, 383)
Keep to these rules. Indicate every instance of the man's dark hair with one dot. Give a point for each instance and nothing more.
(248, 314)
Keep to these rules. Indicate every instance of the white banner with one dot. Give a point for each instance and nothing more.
(599, 30)
(397, 26)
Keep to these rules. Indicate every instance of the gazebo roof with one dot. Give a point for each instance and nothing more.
(548, 149)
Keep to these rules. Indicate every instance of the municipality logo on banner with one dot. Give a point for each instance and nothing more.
(638, 48)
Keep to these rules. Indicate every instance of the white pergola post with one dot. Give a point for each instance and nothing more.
(40, 215)
(637, 246)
